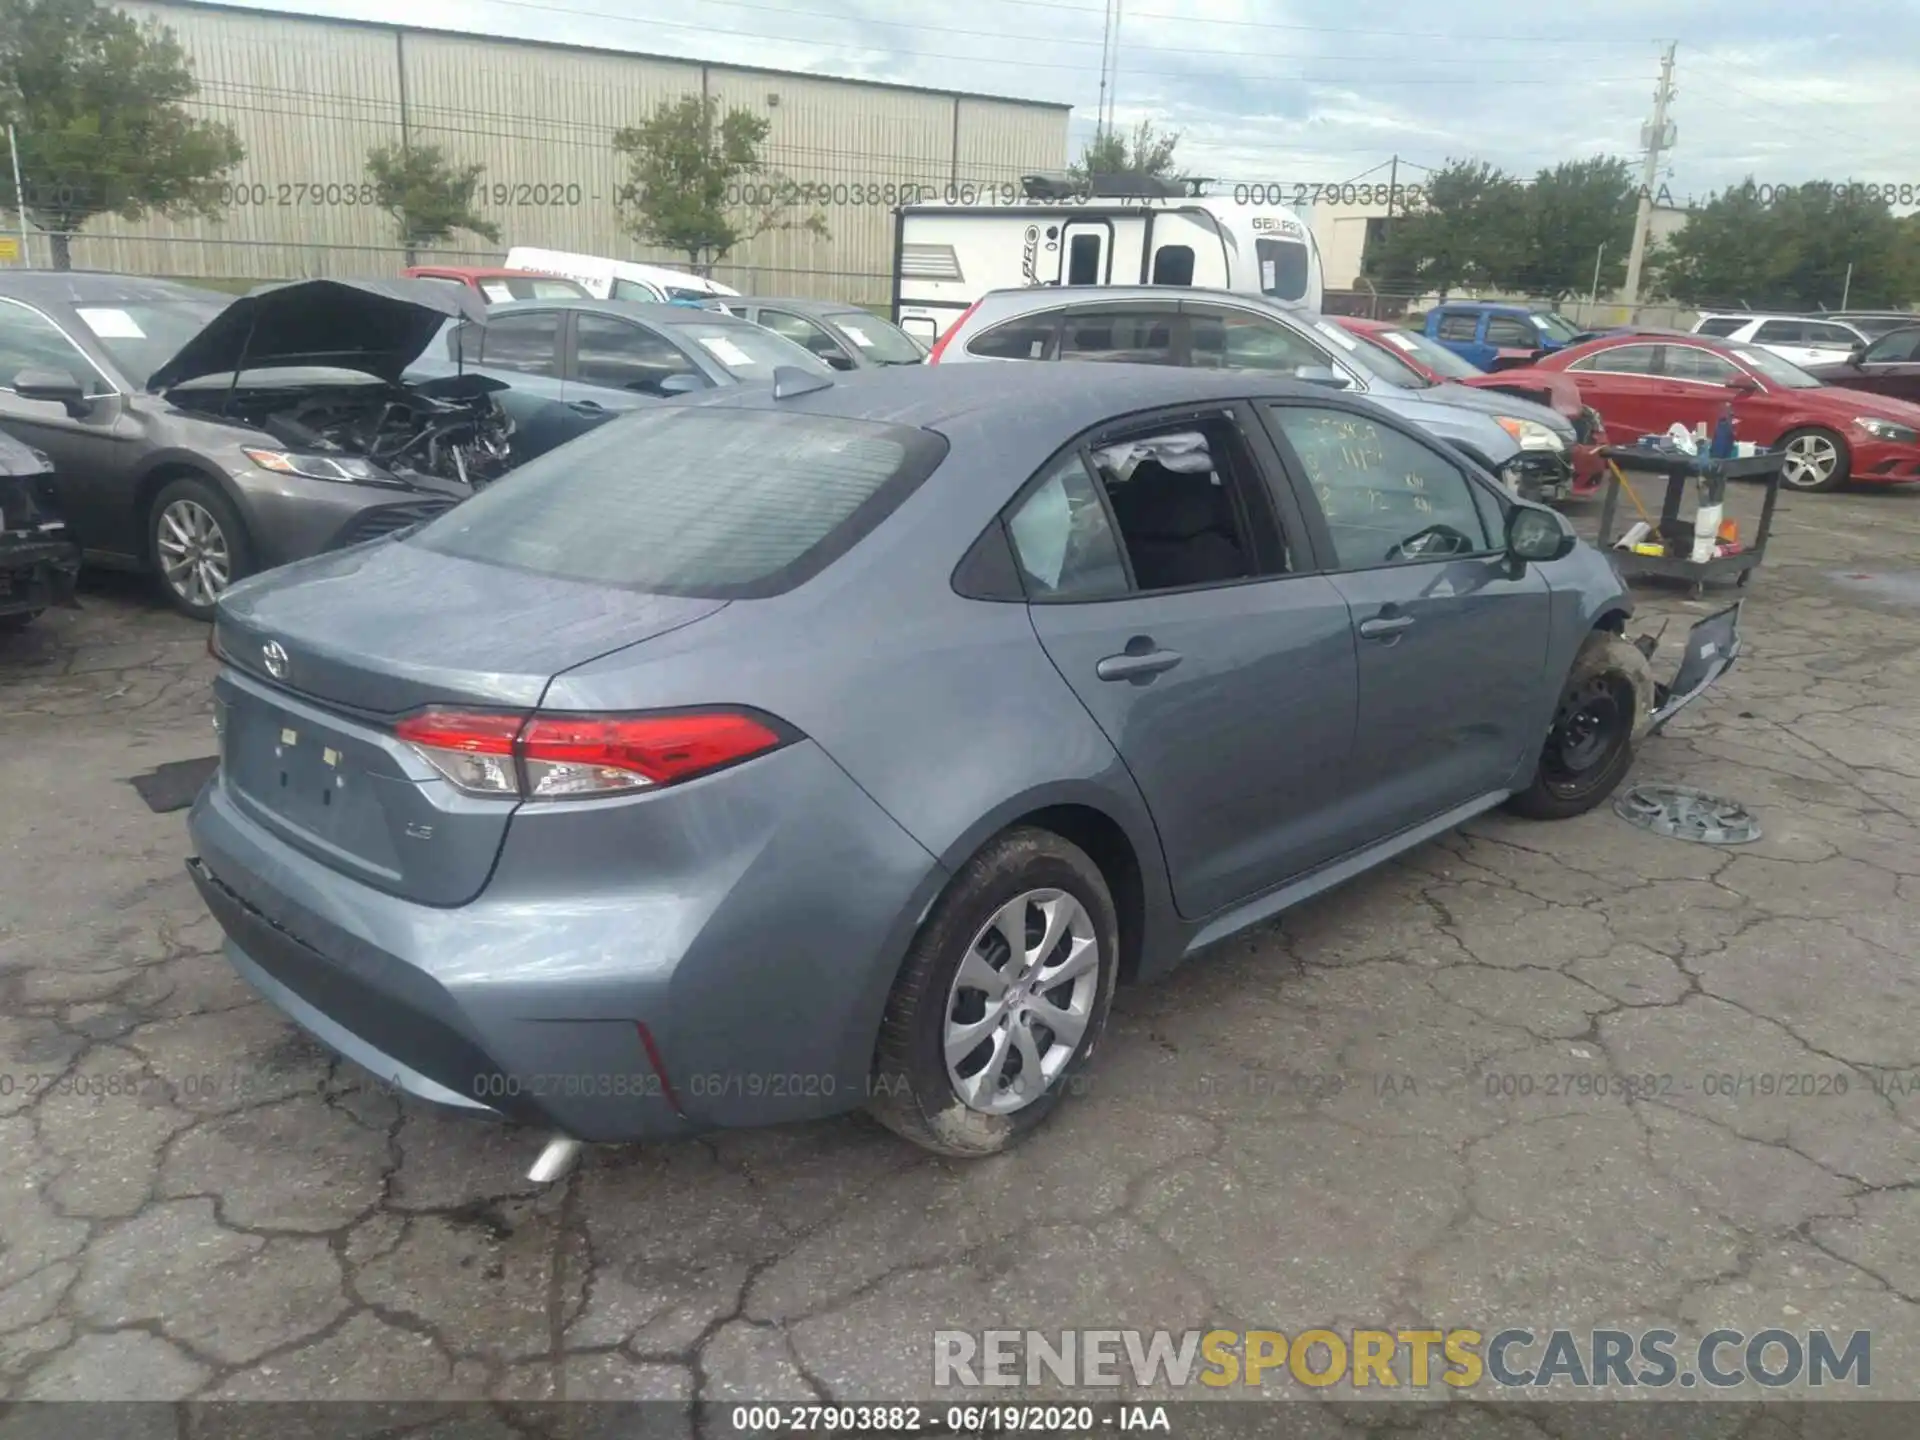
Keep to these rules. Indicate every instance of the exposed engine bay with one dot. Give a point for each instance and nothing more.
(452, 428)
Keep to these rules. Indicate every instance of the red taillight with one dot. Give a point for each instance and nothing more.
(570, 756)
(575, 754)
(933, 355)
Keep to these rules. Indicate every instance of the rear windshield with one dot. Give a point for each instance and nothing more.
(1722, 325)
(1285, 270)
(717, 502)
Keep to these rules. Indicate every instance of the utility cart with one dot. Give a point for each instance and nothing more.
(1680, 472)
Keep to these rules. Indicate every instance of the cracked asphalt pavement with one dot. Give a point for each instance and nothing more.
(1532, 1074)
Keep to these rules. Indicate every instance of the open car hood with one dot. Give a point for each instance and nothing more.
(376, 326)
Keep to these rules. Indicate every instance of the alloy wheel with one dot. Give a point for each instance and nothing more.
(1810, 461)
(194, 554)
(1021, 1000)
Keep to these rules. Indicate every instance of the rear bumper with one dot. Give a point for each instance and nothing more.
(35, 574)
(733, 973)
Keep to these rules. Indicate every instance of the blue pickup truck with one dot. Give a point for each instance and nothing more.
(1493, 336)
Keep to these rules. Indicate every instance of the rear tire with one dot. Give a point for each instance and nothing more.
(1819, 458)
(964, 978)
(1603, 710)
(196, 545)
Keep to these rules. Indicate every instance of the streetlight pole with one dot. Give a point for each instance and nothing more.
(1593, 295)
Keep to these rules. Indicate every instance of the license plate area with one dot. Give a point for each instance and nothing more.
(311, 781)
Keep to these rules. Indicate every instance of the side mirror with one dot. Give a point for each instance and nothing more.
(839, 362)
(1539, 534)
(1856, 355)
(1322, 375)
(55, 386)
(682, 384)
(1743, 386)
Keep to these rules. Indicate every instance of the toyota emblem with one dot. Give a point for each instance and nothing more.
(276, 657)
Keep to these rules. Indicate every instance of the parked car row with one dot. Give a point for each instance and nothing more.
(205, 437)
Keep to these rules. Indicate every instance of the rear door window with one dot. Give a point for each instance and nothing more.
(1458, 327)
(715, 503)
(527, 343)
(1028, 338)
(1780, 332)
(1621, 360)
(1135, 334)
(1722, 325)
(1505, 330)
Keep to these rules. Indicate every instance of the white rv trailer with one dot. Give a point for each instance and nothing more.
(945, 257)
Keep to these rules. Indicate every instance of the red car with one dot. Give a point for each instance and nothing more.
(497, 286)
(1830, 434)
(1436, 363)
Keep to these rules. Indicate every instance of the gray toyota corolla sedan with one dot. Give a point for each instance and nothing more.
(845, 742)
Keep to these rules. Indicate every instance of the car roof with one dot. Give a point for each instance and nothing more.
(484, 272)
(97, 287)
(801, 305)
(1061, 398)
(1568, 353)
(650, 311)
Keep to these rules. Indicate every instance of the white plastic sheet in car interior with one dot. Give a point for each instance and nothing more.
(1184, 453)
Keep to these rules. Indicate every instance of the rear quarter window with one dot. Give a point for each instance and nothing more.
(714, 503)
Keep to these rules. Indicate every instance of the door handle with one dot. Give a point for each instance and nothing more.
(1382, 626)
(1141, 662)
(587, 407)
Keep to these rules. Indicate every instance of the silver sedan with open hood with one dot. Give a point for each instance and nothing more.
(207, 437)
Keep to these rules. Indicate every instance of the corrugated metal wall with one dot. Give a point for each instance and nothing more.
(310, 97)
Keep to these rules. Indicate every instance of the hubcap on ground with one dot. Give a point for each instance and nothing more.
(1593, 724)
(1020, 1001)
(1810, 460)
(193, 552)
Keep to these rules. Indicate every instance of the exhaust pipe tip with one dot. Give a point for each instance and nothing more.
(559, 1156)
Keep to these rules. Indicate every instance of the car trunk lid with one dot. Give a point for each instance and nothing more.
(325, 657)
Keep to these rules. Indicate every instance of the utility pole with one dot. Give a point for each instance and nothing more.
(1659, 136)
(1393, 189)
(1846, 287)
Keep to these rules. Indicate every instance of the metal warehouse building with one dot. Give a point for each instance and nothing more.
(310, 97)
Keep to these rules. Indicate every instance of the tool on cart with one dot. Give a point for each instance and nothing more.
(1705, 546)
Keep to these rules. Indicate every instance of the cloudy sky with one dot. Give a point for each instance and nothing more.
(1322, 91)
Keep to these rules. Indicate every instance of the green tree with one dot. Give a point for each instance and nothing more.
(698, 183)
(1470, 229)
(97, 102)
(428, 195)
(1146, 154)
(1572, 211)
(1791, 250)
